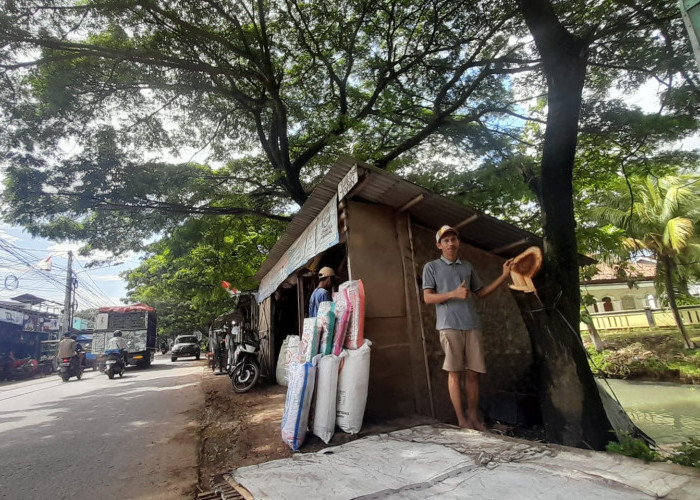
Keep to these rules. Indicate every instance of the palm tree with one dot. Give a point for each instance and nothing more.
(658, 216)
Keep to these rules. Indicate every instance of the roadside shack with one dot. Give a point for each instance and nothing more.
(371, 225)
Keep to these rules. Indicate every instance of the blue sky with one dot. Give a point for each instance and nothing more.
(20, 255)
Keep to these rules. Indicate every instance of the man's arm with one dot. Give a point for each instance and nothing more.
(430, 297)
(484, 292)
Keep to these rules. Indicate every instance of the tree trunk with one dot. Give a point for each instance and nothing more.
(572, 408)
(668, 279)
(593, 333)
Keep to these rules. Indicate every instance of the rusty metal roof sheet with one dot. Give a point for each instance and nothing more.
(426, 208)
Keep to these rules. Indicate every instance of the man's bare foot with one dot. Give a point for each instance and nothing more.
(464, 424)
(476, 424)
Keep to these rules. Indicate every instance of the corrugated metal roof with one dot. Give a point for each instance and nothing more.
(378, 186)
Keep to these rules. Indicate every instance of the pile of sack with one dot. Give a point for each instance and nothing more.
(326, 371)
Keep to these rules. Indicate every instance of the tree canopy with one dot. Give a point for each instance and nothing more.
(182, 273)
(104, 102)
(285, 85)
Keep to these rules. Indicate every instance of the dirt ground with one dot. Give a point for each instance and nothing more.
(244, 429)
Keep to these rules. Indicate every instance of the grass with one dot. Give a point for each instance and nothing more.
(656, 354)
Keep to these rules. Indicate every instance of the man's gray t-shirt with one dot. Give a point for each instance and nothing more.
(443, 276)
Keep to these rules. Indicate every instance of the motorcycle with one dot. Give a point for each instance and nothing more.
(245, 369)
(68, 368)
(114, 363)
(163, 349)
(23, 368)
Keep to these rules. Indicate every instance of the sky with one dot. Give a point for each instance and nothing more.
(20, 271)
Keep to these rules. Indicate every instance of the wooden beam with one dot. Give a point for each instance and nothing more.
(466, 221)
(516, 244)
(413, 202)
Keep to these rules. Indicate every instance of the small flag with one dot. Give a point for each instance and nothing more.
(226, 284)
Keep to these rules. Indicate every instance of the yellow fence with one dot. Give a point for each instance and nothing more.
(644, 318)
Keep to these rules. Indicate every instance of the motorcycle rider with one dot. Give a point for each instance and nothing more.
(79, 350)
(67, 349)
(118, 342)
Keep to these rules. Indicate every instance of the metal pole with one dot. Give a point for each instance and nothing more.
(67, 302)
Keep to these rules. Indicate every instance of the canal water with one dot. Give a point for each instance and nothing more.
(669, 413)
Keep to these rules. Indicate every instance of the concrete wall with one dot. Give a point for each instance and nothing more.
(621, 296)
(643, 319)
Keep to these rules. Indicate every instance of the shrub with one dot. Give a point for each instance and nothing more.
(633, 447)
(688, 453)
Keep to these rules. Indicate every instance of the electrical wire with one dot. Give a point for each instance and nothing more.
(20, 261)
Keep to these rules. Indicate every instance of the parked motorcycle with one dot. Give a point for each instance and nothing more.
(23, 368)
(163, 349)
(70, 368)
(245, 369)
(114, 363)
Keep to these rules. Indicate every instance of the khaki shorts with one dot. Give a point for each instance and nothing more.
(462, 350)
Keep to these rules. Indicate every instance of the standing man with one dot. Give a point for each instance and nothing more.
(323, 290)
(449, 283)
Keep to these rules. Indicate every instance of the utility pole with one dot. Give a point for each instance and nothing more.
(67, 302)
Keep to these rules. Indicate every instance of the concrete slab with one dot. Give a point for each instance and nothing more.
(446, 462)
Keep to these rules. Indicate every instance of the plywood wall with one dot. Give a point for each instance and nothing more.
(378, 250)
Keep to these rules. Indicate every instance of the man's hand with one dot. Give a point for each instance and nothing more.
(461, 292)
(506, 267)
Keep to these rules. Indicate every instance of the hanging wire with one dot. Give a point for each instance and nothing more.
(21, 267)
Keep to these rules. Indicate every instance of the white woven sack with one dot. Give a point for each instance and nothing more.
(288, 351)
(353, 383)
(325, 399)
(296, 407)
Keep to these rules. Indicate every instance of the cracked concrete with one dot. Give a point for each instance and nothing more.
(446, 462)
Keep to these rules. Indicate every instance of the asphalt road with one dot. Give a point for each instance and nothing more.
(134, 437)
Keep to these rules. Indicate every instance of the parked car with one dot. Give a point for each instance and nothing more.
(185, 345)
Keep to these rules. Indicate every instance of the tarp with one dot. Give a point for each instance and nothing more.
(445, 462)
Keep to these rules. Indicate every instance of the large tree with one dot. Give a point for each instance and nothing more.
(286, 85)
(579, 43)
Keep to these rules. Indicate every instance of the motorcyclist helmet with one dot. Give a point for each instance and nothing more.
(117, 333)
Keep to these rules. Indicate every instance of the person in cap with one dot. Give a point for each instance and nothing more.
(451, 283)
(323, 290)
(67, 349)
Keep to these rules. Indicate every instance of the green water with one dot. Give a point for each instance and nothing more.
(669, 413)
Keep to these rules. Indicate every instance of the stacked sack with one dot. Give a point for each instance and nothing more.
(332, 358)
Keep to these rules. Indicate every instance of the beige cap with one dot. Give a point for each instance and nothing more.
(443, 230)
(325, 272)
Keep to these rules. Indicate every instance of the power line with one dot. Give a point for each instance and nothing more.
(22, 261)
